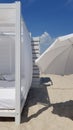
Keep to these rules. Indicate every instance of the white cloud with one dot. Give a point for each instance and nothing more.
(45, 41)
(68, 2)
(46, 38)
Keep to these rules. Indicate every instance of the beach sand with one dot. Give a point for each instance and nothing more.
(48, 107)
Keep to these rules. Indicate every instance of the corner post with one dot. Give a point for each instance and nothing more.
(17, 64)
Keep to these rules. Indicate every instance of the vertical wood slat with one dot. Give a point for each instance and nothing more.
(35, 54)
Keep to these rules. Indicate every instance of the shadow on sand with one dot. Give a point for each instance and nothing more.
(41, 96)
(35, 96)
(64, 109)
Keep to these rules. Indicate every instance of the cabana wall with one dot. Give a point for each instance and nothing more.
(15, 56)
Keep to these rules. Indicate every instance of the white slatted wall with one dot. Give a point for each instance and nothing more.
(35, 54)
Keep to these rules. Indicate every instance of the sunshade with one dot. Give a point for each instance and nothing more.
(58, 58)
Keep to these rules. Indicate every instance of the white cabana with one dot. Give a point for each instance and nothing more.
(58, 58)
(15, 61)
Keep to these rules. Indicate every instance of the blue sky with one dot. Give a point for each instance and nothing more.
(51, 17)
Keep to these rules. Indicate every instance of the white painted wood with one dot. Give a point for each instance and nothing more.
(36, 71)
(35, 47)
(35, 39)
(7, 6)
(35, 79)
(17, 63)
(7, 113)
(35, 54)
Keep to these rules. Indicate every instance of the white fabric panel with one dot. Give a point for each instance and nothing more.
(9, 77)
(27, 57)
(9, 18)
(7, 58)
(7, 94)
(7, 28)
(59, 64)
(7, 55)
(58, 58)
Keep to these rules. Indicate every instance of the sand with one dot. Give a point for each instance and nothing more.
(49, 107)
